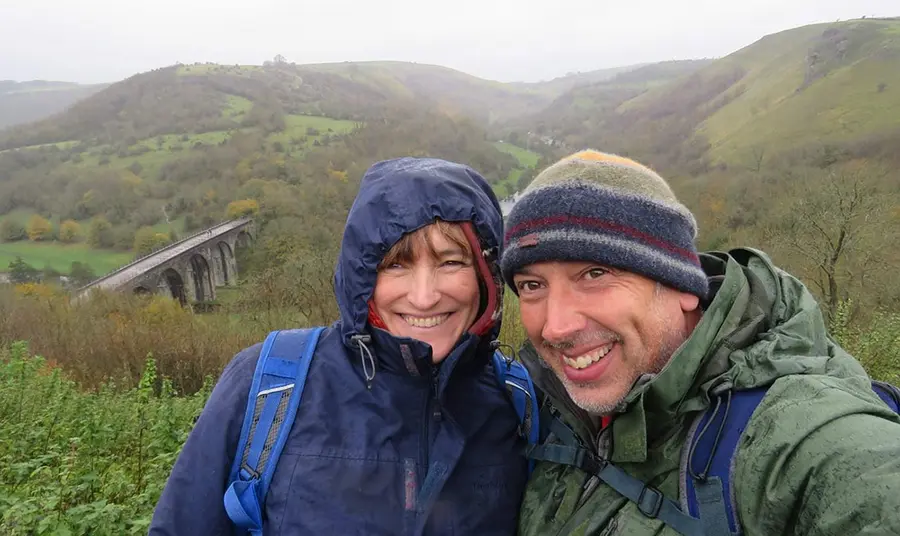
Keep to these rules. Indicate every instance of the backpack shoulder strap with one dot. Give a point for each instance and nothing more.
(271, 407)
(513, 377)
(649, 500)
(708, 460)
(890, 394)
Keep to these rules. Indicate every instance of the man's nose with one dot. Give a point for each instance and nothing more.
(564, 318)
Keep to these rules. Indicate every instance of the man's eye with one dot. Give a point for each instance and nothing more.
(595, 273)
(527, 286)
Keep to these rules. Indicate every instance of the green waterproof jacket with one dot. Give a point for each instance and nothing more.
(820, 455)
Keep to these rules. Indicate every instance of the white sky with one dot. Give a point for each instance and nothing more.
(529, 40)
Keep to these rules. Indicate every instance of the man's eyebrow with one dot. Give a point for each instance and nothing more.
(523, 271)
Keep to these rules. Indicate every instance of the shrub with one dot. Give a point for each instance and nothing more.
(85, 462)
(39, 228)
(12, 231)
(69, 231)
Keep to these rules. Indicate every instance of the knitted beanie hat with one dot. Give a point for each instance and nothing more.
(599, 207)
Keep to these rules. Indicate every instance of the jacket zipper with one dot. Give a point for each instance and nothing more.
(432, 413)
(436, 414)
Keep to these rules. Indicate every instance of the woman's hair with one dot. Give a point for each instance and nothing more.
(405, 249)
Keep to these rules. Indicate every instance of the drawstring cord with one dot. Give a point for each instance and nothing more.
(509, 357)
(366, 357)
(702, 476)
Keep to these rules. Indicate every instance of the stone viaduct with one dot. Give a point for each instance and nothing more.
(189, 270)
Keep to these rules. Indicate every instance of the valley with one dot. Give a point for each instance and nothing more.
(789, 145)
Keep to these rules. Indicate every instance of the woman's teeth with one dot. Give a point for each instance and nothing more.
(588, 359)
(425, 321)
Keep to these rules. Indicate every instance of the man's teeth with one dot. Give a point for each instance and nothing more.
(425, 321)
(589, 358)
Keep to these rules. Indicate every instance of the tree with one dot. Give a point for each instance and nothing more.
(100, 233)
(243, 207)
(22, 272)
(39, 228)
(147, 240)
(837, 232)
(49, 273)
(69, 231)
(757, 158)
(11, 230)
(81, 274)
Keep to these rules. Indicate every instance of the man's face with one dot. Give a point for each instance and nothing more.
(600, 328)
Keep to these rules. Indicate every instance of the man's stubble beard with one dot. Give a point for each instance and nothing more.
(671, 337)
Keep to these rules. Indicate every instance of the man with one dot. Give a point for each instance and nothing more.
(633, 335)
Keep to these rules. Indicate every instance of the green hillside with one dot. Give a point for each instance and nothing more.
(576, 117)
(788, 94)
(558, 86)
(183, 142)
(23, 102)
(456, 92)
(180, 143)
(832, 83)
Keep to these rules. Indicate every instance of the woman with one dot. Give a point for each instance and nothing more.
(403, 427)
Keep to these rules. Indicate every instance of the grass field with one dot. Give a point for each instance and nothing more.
(526, 158)
(236, 106)
(207, 68)
(295, 127)
(60, 256)
(60, 145)
(168, 147)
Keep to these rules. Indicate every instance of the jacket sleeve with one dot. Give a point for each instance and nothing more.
(820, 460)
(192, 500)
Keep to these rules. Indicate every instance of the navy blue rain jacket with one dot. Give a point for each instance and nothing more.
(429, 449)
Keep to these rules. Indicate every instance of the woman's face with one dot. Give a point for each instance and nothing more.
(429, 291)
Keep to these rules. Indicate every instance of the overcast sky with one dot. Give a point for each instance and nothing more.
(530, 40)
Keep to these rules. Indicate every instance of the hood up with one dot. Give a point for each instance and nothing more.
(400, 196)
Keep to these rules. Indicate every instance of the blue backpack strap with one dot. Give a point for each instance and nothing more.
(711, 445)
(513, 377)
(890, 394)
(271, 408)
(650, 501)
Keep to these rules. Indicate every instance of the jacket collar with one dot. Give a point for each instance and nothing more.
(413, 358)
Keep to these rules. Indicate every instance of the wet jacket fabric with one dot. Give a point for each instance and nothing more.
(820, 455)
(424, 449)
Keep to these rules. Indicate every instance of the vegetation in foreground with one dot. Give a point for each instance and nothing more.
(85, 462)
(81, 461)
